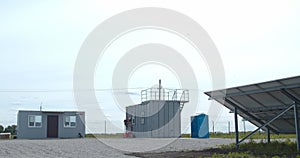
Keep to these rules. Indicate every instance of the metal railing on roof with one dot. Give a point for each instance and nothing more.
(164, 94)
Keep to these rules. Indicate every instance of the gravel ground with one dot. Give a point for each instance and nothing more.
(90, 147)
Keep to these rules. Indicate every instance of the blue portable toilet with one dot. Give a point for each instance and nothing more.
(199, 126)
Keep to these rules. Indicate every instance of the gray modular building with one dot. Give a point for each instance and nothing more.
(158, 115)
(50, 124)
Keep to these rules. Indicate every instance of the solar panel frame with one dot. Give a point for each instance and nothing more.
(258, 103)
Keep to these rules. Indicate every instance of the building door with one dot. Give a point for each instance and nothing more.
(52, 126)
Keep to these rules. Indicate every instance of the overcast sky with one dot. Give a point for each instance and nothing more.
(40, 41)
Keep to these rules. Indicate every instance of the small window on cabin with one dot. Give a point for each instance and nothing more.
(34, 121)
(133, 120)
(70, 121)
(142, 120)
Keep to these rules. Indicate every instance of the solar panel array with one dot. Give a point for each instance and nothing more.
(261, 102)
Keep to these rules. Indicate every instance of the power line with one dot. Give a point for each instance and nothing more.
(71, 90)
(64, 90)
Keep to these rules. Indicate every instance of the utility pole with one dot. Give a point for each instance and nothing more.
(213, 127)
(228, 127)
(104, 126)
(244, 120)
(41, 106)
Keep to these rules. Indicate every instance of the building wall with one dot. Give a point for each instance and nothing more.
(71, 132)
(25, 132)
(161, 119)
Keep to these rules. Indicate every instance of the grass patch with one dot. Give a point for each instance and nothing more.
(260, 135)
(116, 135)
(233, 155)
(185, 135)
(242, 135)
(259, 149)
(251, 149)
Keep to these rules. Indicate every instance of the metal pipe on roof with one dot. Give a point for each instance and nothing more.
(159, 89)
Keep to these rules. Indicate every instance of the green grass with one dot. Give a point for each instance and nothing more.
(260, 149)
(185, 136)
(117, 135)
(252, 149)
(242, 135)
(212, 135)
(234, 155)
(254, 136)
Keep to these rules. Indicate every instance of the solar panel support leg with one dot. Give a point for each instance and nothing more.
(236, 128)
(268, 135)
(266, 124)
(297, 126)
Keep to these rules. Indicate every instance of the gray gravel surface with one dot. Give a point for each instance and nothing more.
(90, 147)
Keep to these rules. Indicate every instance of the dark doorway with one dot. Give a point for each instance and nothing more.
(52, 126)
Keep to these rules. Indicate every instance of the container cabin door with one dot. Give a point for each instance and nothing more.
(52, 126)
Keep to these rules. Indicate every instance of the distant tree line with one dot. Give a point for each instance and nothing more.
(9, 129)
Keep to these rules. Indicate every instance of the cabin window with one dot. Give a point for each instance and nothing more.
(142, 120)
(133, 120)
(70, 121)
(34, 121)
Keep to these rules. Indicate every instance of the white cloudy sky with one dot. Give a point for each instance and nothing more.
(39, 43)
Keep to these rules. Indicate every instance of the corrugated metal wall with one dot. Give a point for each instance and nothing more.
(155, 119)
